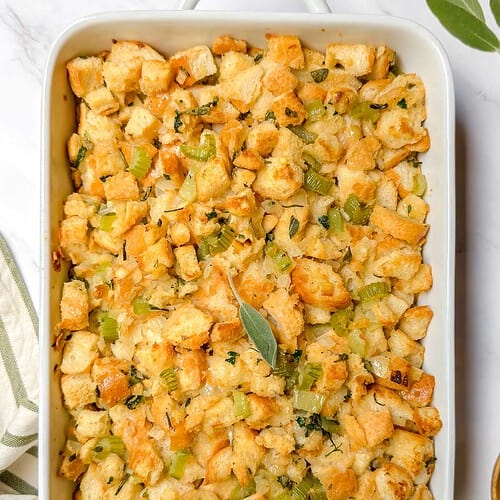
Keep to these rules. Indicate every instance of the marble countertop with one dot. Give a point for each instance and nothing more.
(27, 30)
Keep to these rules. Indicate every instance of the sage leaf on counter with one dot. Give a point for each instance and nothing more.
(257, 328)
(495, 8)
(460, 18)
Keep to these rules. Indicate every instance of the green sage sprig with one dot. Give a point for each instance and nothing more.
(465, 20)
(257, 328)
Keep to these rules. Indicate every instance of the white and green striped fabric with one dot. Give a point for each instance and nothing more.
(19, 383)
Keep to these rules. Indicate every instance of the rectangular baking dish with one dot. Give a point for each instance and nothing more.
(418, 51)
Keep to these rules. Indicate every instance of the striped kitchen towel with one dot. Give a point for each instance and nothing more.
(19, 383)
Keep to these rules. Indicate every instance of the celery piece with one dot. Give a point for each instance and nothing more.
(188, 189)
(317, 492)
(303, 133)
(300, 491)
(365, 111)
(358, 212)
(201, 153)
(373, 291)
(278, 255)
(178, 464)
(356, 343)
(286, 367)
(169, 378)
(308, 401)
(317, 182)
(311, 161)
(330, 426)
(241, 492)
(308, 375)
(315, 110)
(241, 404)
(107, 445)
(109, 328)
(215, 243)
(284, 495)
(335, 220)
(419, 184)
(140, 306)
(340, 321)
(139, 163)
(106, 222)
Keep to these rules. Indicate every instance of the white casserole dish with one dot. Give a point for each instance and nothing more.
(418, 52)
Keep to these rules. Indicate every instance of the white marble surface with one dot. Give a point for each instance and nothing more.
(27, 29)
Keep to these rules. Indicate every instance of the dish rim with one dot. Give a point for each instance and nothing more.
(308, 20)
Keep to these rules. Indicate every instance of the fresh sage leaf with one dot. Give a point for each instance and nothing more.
(463, 25)
(495, 8)
(257, 328)
(471, 6)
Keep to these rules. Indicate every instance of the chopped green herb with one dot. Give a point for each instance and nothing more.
(211, 215)
(319, 75)
(402, 103)
(290, 112)
(409, 209)
(166, 177)
(132, 402)
(335, 448)
(342, 357)
(79, 157)
(135, 376)
(323, 220)
(293, 227)
(157, 143)
(147, 193)
(204, 109)
(258, 57)
(379, 106)
(231, 357)
(348, 395)
(285, 481)
(270, 116)
(177, 121)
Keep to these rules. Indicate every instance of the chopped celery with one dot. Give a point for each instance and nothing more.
(315, 110)
(364, 111)
(139, 163)
(107, 445)
(215, 243)
(109, 328)
(286, 367)
(140, 306)
(340, 321)
(278, 255)
(330, 426)
(358, 212)
(188, 189)
(335, 220)
(169, 378)
(311, 161)
(241, 492)
(373, 291)
(178, 464)
(201, 153)
(300, 491)
(419, 184)
(317, 491)
(308, 375)
(106, 222)
(303, 133)
(317, 182)
(284, 495)
(308, 401)
(241, 404)
(356, 343)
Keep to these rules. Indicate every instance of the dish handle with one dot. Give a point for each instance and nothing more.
(314, 6)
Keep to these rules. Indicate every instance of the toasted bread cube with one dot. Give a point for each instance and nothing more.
(188, 326)
(287, 317)
(361, 154)
(211, 179)
(279, 80)
(179, 233)
(73, 232)
(316, 315)
(78, 390)
(122, 76)
(242, 204)
(319, 285)
(419, 283)
(247, 454)
(156, 257)
(285, 49)
(355, 59)
(411, 451)
(262, 138)
(80, 205)
(278, 179)
(427, 420)
(122, 186)
(244, 88)
(401, 345)
(80, 351)
(74, 306)
(402, 264)
(187, 266)
(386, 194)
(248, 159)
(397, 128)
(355, 182)
(102, 102)
(232, 64)
(112, 382)
(85, 75)
(220, 466)
(289, 110)
(384, 60)
(142, 124)
(354, 432)
(398, 226)
(156, 76)
(225, 43)
(289, 146)
(276, 438)
(242, 179)
(193, 65)
(98, 128)
(421, 391)
(393, 482)
(414, 207)
(415, 322)
(219, 110)
(128, 213)
(340, 485)
(233, 135)
(91, 423)
(376, 424)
